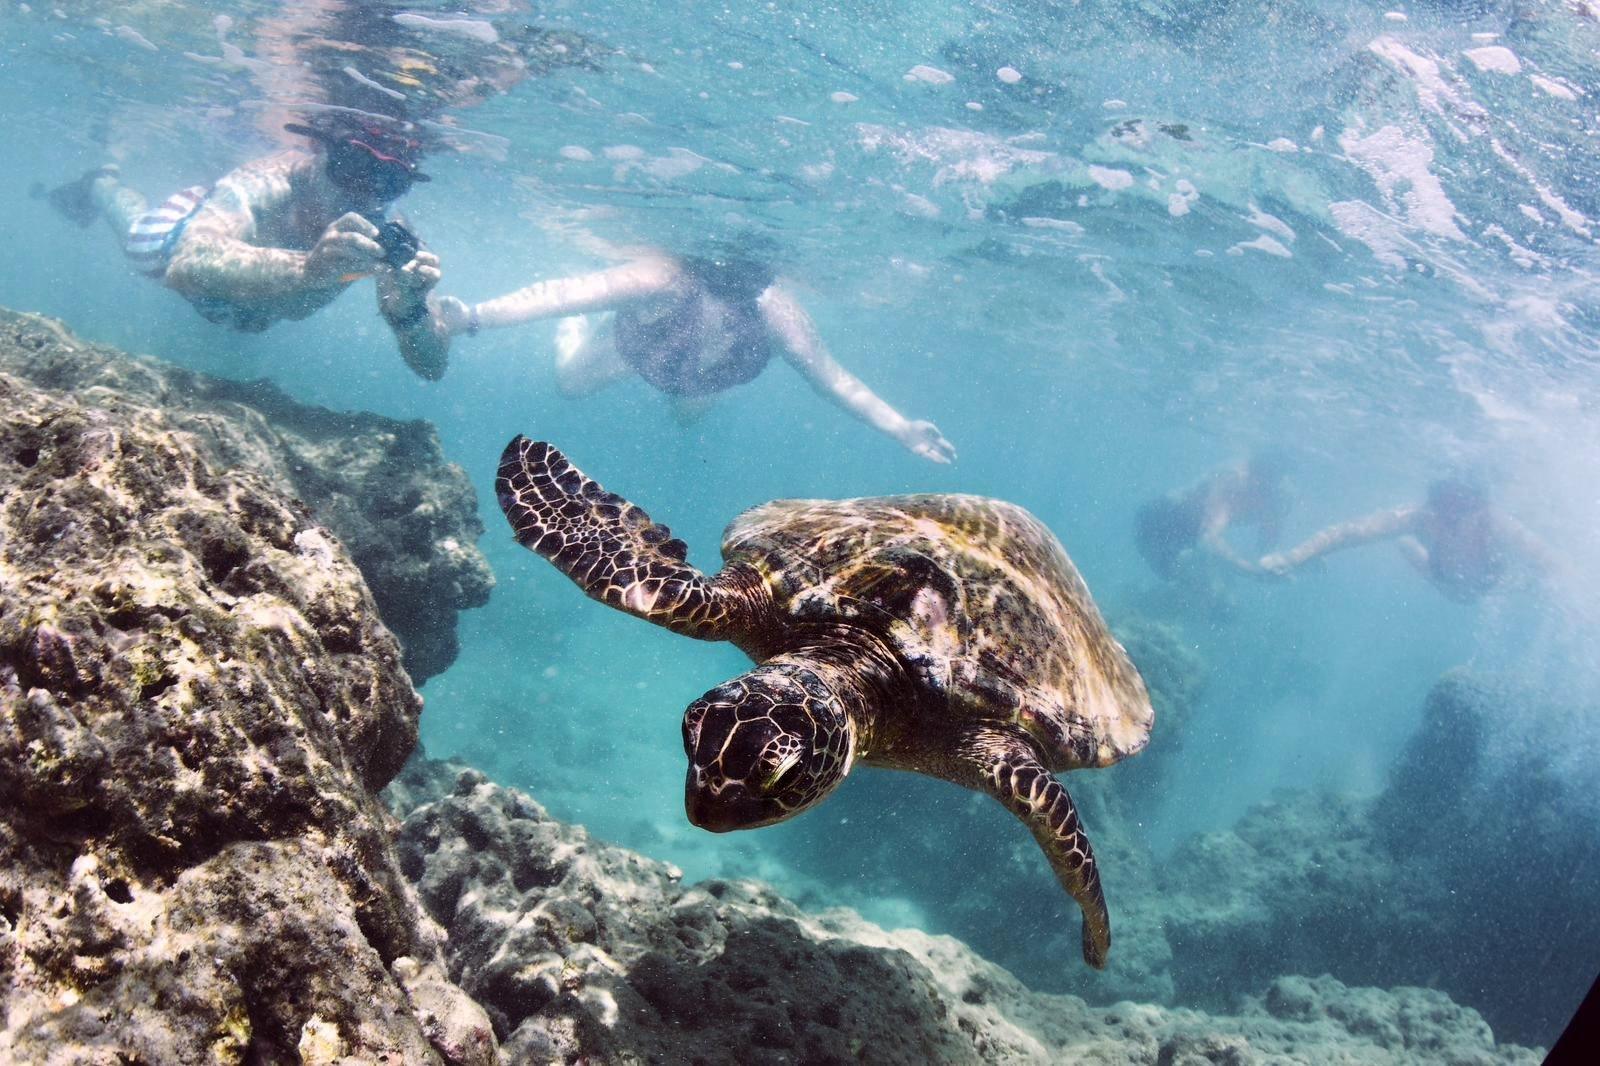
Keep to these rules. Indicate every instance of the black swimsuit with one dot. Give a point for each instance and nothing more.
(666, 340)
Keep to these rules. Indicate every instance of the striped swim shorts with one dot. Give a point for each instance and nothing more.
(153, 234)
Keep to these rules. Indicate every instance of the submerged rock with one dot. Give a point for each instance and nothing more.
(581, 951)
(1473, 874)
(408, 518)
(197, 702)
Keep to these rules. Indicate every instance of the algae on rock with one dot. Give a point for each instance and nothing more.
(583, 951)
(408, 518)
(198, 700)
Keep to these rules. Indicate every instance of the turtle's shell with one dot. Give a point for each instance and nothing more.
(977, 598)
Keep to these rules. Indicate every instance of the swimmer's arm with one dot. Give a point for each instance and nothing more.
(1217, 518)
(559, 297)
(418, 325)
(215, 258)
(1529, 550)
(1380, 525)
(803, 348)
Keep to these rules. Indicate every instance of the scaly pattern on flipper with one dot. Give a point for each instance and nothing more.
(608, 546)
(1009, 768)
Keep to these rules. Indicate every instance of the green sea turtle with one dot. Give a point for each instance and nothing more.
(944, 634)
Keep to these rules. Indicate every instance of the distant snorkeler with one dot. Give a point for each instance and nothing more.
(1172, 529)
(691, 327)
(281, 236)
(1457, 539)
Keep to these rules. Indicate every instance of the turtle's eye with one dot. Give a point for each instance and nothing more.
(782, 774)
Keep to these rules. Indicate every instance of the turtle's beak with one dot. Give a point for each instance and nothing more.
(734, 807)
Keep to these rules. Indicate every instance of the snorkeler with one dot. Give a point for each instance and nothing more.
(283, 235)
(1457, 539)
(1169, 530)
(692, 328)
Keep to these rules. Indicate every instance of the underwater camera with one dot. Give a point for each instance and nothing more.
(399, 243)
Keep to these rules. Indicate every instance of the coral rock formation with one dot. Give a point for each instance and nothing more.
(408, 518)
(1468, 871)
(581, 951)
(197, 702)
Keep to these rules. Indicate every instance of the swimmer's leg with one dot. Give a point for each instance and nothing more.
(97, 194)
(690, 409)
(1414, 553)
(586, 355)
(117, 203)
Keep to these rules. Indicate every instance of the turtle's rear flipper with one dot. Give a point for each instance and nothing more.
(608, 546)
(1010, 770)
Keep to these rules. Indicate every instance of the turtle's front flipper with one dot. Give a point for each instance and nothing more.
(1009, 768)
(606, 544)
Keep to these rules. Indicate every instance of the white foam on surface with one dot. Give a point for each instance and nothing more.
(133, 36)
(1432, 90)
(1555, 88)
(958, 155)
(1271, 223)
(575, 152)
(472, 29)
(1382, 235)
(1110, 177)
(1496, 59)
(1097, 268)
(1264, 244)
(1523, 257)
(677, 163)
(1061, 224)
(1573, 220)
(1009, 75)
(1399, 163)
(1179, 202)
(929, 75)
(842, 97)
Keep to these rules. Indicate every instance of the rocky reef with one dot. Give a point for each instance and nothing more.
(198, 700)
(1473, 871)
(584, 952)
(407, 517)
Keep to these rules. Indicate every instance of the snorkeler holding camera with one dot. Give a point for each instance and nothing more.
(283, 235)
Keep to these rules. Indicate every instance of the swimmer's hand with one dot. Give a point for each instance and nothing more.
(455, 314)
(924, 439)
(1274, 565)
(401, 291)
(349, 246)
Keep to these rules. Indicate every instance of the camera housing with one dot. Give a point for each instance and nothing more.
(399, 243)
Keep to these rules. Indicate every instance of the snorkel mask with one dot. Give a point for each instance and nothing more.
(367, 160)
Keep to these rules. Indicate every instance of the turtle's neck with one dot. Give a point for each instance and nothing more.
(751, 621)
(860, 670)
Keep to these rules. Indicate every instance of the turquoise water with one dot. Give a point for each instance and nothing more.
(1107, 248)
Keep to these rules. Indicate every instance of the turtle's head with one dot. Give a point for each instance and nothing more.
(764, 746)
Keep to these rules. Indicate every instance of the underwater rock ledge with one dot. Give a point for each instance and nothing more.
(581, 951)
(408, 518)
(198, 700)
